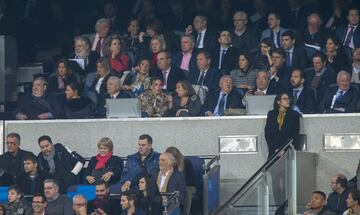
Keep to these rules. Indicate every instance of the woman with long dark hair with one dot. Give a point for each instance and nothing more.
(150, 200)
(282, 124)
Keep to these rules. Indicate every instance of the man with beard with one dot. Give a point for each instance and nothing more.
(103, 201)
(83, 52)
(303, 97)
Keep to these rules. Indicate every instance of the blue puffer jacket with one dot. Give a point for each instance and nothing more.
(134, 167)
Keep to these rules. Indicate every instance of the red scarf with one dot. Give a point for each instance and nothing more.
(102, 160)
(154, 58)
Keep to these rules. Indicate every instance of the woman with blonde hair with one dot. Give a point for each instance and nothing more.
(104, 166)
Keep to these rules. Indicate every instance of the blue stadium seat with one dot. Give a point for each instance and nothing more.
(3, 194)
(88, 191)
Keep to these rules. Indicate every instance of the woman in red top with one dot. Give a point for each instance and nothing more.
(113, 49)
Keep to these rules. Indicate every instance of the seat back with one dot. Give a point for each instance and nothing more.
(3, 194)
(88, 191)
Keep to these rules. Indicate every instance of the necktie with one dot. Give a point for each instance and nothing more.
(295, 96)
(98, 45)
(221, 105)
(341, 94)
(198, 40)
(165, 78)
(201, 78)
(223, 52)
(349, 36)
(288, 59)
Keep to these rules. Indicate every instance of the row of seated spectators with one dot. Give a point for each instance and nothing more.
(190, 75)
(146, 171)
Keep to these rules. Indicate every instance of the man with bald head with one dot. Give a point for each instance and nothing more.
(244, 37)
(225, 98)
(341, 98)
(113, 86)
(336, 201)
(168, 178)
(314, 34)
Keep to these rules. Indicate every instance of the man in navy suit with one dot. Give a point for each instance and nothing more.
(113, 86)
(303, 97)
(170, 75)
(186, 58)
(295, 56)
(341, 98)
(279, 73)
(169, 179)
(225, 57)
(205, 75)
(350, 34)
(223, 99)
(205, 38)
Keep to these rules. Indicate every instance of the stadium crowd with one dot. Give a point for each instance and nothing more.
(203, 64)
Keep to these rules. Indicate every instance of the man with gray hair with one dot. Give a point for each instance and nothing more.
(83, 52)
(341, 98)
(113, 86)
(244, 37)
(79, 204)
(57, 204)
(102, 28)
(168, 178)
(38, 104)
(314, 34)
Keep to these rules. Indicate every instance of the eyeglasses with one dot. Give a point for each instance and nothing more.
(80, 204)
(37, 202)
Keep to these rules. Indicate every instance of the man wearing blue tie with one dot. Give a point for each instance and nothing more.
(218, 102)
(341, 98)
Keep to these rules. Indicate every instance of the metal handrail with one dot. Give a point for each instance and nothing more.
(234, 198)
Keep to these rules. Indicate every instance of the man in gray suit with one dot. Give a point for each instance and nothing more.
(275, 30)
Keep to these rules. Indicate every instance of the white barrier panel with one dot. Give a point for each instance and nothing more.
(198, 136)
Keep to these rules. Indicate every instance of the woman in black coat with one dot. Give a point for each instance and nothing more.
(75, 106)
(104, 166)
(282, 124)
(150, 200)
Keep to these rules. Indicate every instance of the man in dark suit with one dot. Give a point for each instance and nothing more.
(205, 38)
(244, 37)
(186, 59)
(341, 98)
(225, 57)
(113, 86)
(303, 97)
(314, 33)
(279, 73)
(82, 51)
(319, 77)
(169, 74)
(205, 75)
(223, 99)
(350, 34)
(168, 178)
(295, 56)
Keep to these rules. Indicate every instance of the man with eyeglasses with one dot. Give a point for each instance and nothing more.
(79, 205)
(39, 204)
(57, 204)
(244, 37)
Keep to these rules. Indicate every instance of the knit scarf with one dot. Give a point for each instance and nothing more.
(280, 119)
(163, 189)
(102, 160)
(50, 159)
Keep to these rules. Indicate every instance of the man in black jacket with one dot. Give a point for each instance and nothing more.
(31, 181)
(12, 161)
(59, 161)
(103, 200)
